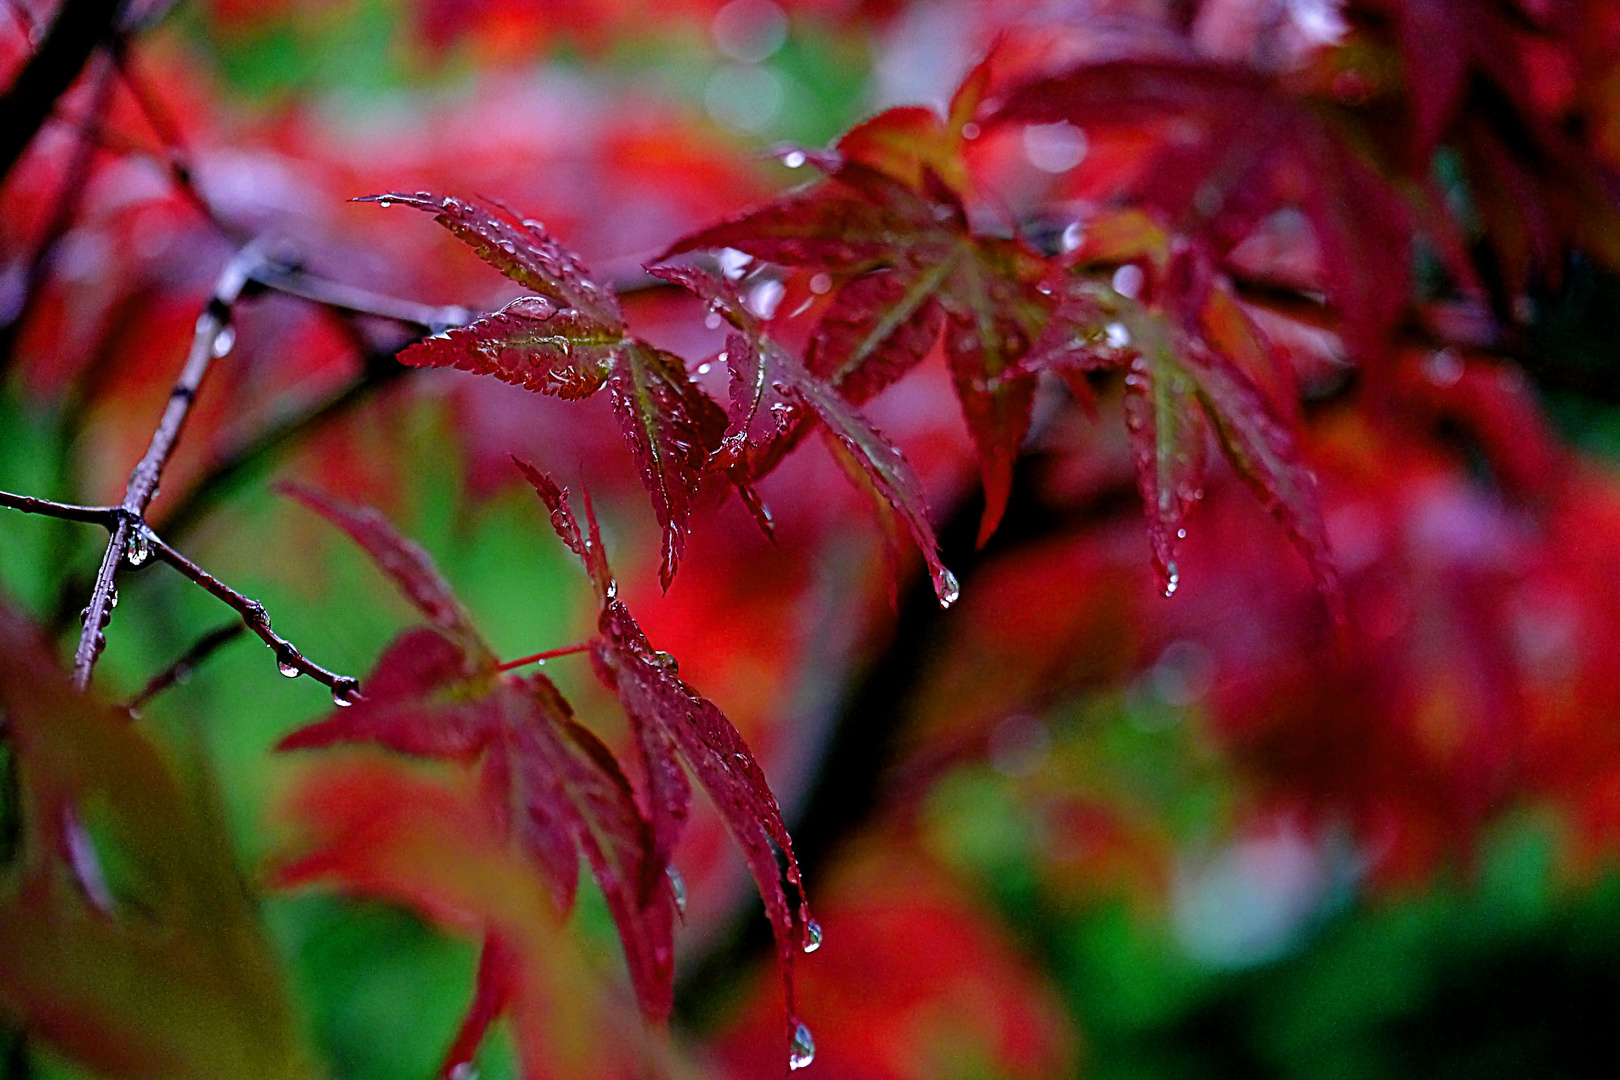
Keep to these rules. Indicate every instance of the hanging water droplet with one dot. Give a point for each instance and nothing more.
(1073, 233)
(385, 202)
(812, 936)
(112, 598)
(677, 888)
(946, 587)
(666, 661)
(612, 589)
(341, 698)
(138, 548)
(1172, 580)
(803, 1049)
(733, 262)
(1128, 280)
(794, 159)
(290, 670)
(764, 297)
(223, 341)
(704, 368)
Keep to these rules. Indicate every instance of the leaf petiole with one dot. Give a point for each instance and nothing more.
(541, 657)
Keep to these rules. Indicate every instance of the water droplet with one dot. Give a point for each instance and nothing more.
(764, 298)
(666, 661)
(1181, 534)
(1443, 368)
(112, 598)
(703, 368)
(1116, 335)
(290, 670)
(970, 130)
(677, 888)
(507, 246)
(821, 284)
(712, 320)
(385, 202)
(946, 587)
(1072, 235)
(1128, 280)
(803, 1050)
(1172, 580)
(341, 698)
(733, 263)
(612, 589)
(223, 341)
(138, 548)
(794, 159)
(812, 936)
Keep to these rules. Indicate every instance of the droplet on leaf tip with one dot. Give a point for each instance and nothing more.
(946, 587)
(802, 1051)
(812, 936)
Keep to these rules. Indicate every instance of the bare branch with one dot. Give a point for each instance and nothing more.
(213, 338)
(105, 516)
(185, 664)
(345, 689)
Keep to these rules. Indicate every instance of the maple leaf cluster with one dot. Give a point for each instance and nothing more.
(1301, 252)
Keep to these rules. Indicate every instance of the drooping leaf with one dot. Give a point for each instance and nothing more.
(766, 381)
(127, 939)
(909, 262)
(570, 341)
(674, 725)
(552, 783)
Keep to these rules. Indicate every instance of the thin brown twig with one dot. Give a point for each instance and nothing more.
(212, 338)
(105, 516)
(186, 663)
(345, 689)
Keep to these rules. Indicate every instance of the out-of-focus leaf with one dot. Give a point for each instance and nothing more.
(127, 939)
(675, 725)
(432, 841)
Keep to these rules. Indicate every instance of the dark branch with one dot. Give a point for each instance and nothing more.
(80, 26)
(185, 664)
(212, 338)
(105, 516)
(345, 689)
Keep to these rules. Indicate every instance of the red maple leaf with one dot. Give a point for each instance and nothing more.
(570, 340)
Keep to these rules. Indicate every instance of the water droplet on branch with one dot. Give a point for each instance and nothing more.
(803, 1049)
(812, 936)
